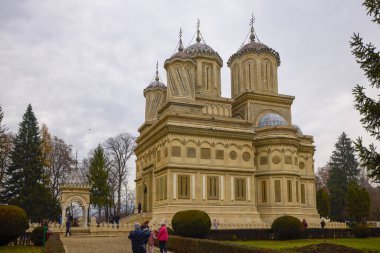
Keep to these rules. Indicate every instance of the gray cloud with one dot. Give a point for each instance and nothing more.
(84, 64)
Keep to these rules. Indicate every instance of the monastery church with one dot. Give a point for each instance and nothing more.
(240, 159)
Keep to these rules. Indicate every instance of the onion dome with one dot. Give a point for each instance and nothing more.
(156, 83)
(202, 49)
(254, 47)
(272, 119)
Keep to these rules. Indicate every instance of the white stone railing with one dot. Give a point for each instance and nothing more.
(126, 225)
(266, 225)
(53, 227)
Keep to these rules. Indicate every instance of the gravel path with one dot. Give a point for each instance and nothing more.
(96, 244)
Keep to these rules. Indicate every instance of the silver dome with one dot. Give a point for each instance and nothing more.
(201, 49)
(156, 84)
(254, 47)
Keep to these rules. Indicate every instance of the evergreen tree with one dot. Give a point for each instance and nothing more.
(323, 203)
(358, 202)
(344, 169)
(98, 178)
(369, 60)
(24, 185)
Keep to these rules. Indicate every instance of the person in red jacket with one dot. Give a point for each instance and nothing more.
(163, 237)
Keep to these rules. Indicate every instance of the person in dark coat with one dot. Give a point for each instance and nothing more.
(139, 207)
(139, 238)
(68, 227)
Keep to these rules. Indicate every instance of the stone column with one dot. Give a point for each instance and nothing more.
(63, 219)
(85, 212)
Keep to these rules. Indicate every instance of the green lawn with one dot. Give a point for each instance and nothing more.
(20, 249)
(372, 243)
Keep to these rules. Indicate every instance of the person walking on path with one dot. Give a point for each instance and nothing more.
(139, 238)
(215, 224)
(304, 223)
(68, 227)
(139, 207)
(163, 237)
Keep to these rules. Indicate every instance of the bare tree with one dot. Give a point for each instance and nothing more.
(5, 148)
(129, 199)
(119, 150)
(61, 164)
(322, 177)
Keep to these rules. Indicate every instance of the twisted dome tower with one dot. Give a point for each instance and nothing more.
(180, 70)
(155, 95)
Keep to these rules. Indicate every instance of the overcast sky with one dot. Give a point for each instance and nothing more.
(84, 64)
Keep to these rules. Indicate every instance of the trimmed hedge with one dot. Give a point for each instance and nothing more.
(267, 234)
(361, 231)
(287, 228)
(240, 234)
(191, 223)
(194, 245)
(13, 223)
(54, 244)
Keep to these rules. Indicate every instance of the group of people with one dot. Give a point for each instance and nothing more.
(143, 238)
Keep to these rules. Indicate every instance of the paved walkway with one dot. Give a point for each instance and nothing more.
(96, 244)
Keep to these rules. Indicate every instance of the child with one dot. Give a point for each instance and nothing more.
(151, 241)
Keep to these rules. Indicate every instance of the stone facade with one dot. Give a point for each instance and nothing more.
(240, 159)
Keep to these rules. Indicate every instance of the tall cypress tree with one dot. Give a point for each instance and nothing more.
(24, 185)
(369, 60)
(98, 178)
(344, 169)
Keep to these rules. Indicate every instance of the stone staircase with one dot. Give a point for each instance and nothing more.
(136, 218)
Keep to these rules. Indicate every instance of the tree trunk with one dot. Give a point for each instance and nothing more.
(119, 198)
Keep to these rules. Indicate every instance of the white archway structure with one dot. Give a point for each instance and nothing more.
(78, 193)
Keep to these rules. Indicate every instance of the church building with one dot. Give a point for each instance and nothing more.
(240, 159)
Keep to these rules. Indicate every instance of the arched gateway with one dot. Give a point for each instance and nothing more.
(78, 193)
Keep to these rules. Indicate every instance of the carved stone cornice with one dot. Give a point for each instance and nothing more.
(278, 173)
(160, 127)
(263, 98)
(207, 168)
(209, 132)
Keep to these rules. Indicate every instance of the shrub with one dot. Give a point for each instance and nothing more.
(13, 223)
(287, 227)
(361, 231)
(351, 224)
(191, 223)
(170, 231)
(37, 236)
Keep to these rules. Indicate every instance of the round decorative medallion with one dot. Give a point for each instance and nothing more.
(233, 155)
(246, 156)
(166, 152)
(276, 159)
(302, 165)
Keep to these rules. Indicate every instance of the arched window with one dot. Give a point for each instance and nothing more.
(235, 76)
(267, 75)
(250, 74)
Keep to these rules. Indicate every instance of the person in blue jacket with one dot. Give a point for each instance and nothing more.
(139, 238)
